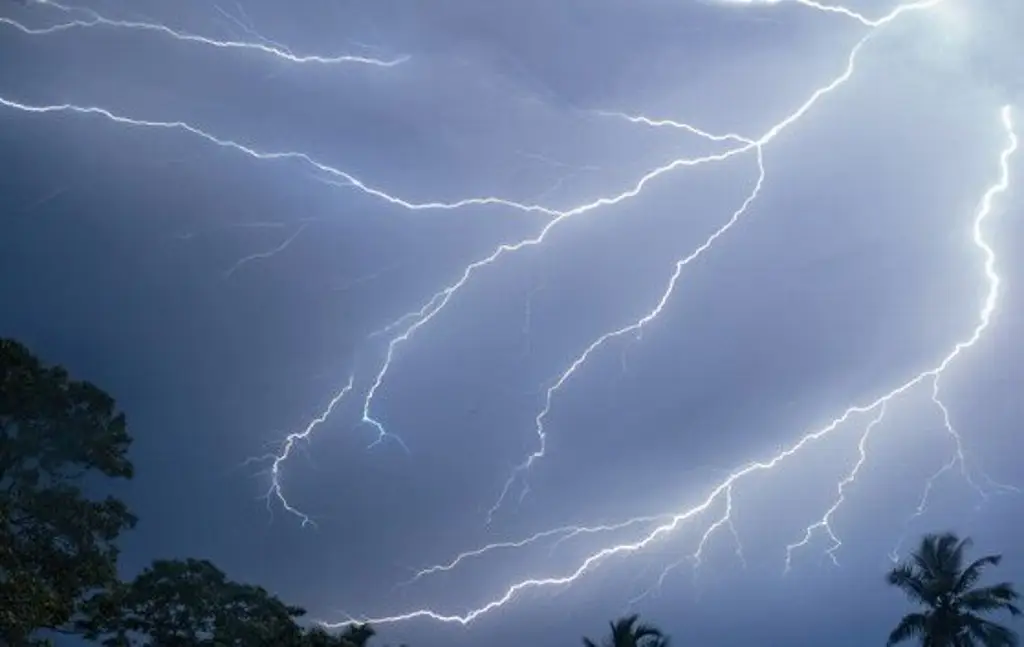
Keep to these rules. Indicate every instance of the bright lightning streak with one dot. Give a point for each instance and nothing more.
(638, 325)
(722, 493)
(264, 46)
(841, 10)
(697, 557)
(276, 460)
(247, 27)
(703, 134)
(947, 423)
(825, 523)
(958, 458)
(417, 319)
(439, 300)
(564, 534)
(634, 327)
(347, 178)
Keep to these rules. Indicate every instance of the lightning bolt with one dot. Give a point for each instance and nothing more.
(634, 327)
(439, 300)
(841, 10)
(746, 144)
(262, 46)
(718, 507)
(825, 523)
(696, 559)
(721, 494)
(724, 491)
(957, 459)
(343, 177)
(277, 460)
(411, 322)
(563, 533)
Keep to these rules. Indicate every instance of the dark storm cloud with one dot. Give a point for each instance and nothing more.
(853, 271)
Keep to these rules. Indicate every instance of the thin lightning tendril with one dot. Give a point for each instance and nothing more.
(957, 459)
(285, 244)
(276, 460)
(634, 327)
(264, 46)
(347, 178)
(825, 523)
(564, 534)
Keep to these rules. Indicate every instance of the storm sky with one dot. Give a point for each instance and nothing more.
(223, 300)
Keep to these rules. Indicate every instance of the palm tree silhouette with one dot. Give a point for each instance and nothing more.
(935, 578)
(625, 632)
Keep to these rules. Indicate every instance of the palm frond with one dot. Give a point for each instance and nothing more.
(990, 634)
(964, 640)
(928, 555)
(939, 558)
(587, 642)
(972, 573)
(624, 625)
(922, 564)
(648, 639)
(909, 580)
(910, 626)
(937, 577)
(620, 631)
(956, 553)
(991, 598)
(647, 631)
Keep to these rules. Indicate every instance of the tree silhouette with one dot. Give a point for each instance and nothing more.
(56, 544)
(190, 603)
(935, 578)
(625, 632)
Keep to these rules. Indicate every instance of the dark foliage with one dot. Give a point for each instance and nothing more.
(56, 544)
(936, 578)
(629, 632)
(185, 603)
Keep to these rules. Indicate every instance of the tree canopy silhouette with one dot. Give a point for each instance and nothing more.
(189, 603)
(192, 603)
(935, 577)
(626, 632)
(58, 552)
(56, 543)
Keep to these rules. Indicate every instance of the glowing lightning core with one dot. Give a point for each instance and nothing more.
(722, 493)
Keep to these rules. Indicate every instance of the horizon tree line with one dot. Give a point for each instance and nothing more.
(59, 551)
